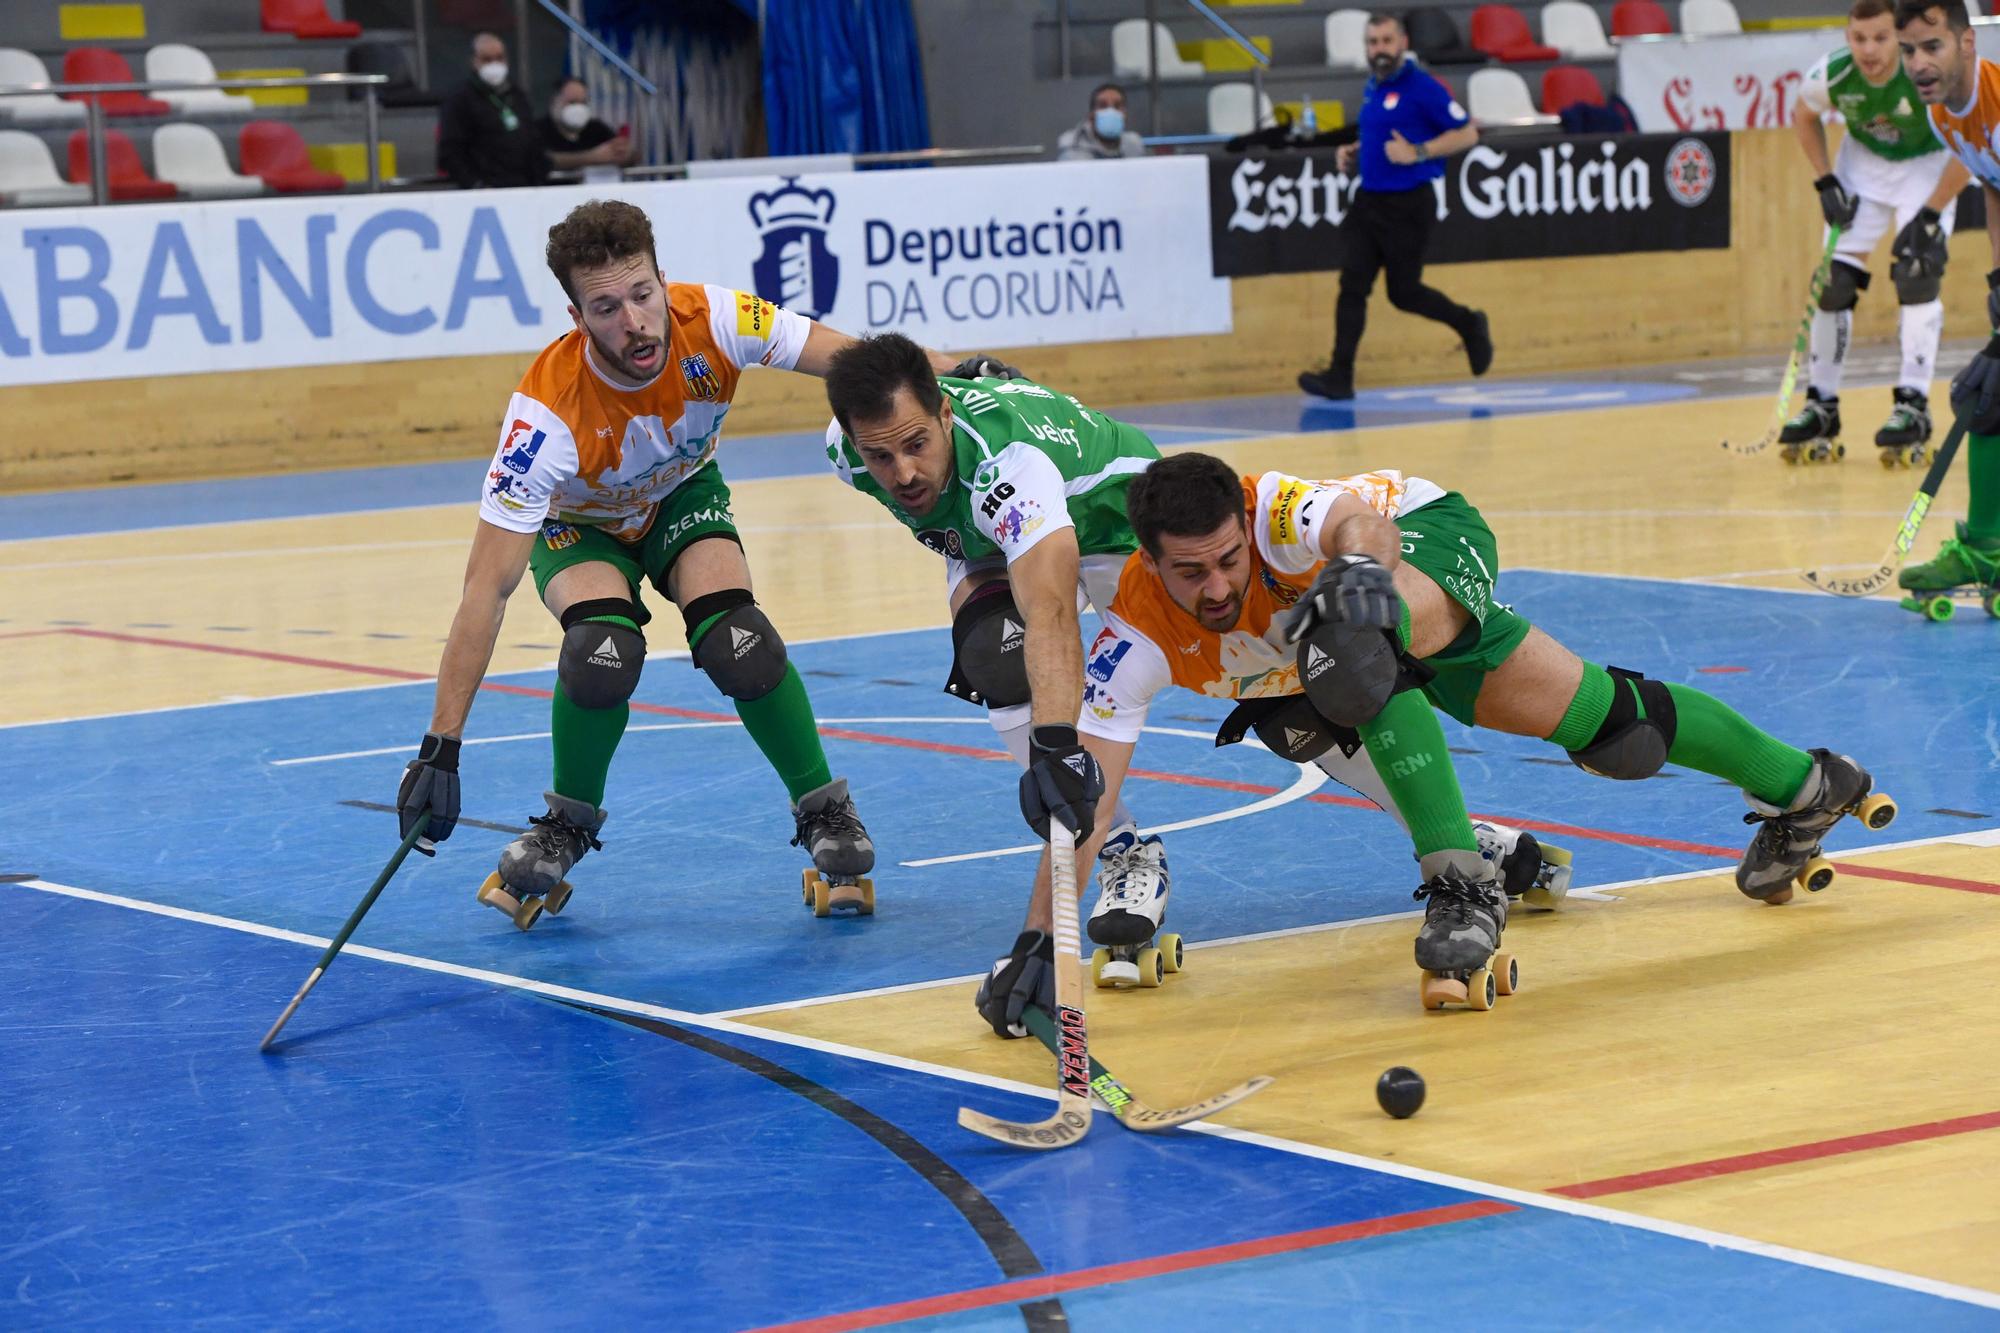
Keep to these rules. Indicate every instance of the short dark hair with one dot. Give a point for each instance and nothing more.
(1380, 16)
(863, 378)
(602, 231)
(567, 79)
(1955, 17)
(1118, 88)
(1185, 495)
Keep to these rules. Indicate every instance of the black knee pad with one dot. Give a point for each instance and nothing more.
(600, 660)
(741, 652)
(1914, 287)
(1348, 673)
(1629, 747)
(1844, 285)
(989, 653)
(1290, 728)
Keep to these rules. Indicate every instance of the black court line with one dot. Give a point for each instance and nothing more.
(18, 879)
(1958, 814)
(1007, 1246)
(469, 823)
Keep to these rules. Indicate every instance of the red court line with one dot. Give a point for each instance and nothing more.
(1916, 877)
(1757, 1161)
(1055, 1284)
(27, 633)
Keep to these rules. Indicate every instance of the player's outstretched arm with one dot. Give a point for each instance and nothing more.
(823, 342)
(1044, 582)
(1811, 132)
(1357, 529)
(1113, 757)
(492, 571)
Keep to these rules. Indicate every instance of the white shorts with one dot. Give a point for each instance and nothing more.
(1890, 194)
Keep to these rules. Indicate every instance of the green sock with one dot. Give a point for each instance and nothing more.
(1982, 471)
(1406, 745)
(585, 740)
(1709, 736)
(782, 725)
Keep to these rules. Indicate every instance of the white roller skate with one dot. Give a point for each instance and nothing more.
(1131, 903)
(1458, 948)
(530, 878)
(1785, 853)
(841, 850)
(1534, 872)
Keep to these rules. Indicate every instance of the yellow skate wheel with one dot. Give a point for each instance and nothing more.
(819, 895)
(1506, 973)
(1482, 988)
(530, 912)
(1152, 968)
(1437, 990)
(1877, 811)
(494, 894)
(1789, 452)
(867, 887)
(1779, 898)
(1173, 956)
(1098, 958)
(557, 900)
(1817, 874)
(806, 878)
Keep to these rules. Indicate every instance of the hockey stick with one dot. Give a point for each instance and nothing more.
(1906, 532)
(326, 959)
(1800, 341)
(1131, 1112)
(1072, 1118)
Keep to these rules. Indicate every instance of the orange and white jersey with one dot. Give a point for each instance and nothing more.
(1148, 642)
(577, 447)
(1969, 130)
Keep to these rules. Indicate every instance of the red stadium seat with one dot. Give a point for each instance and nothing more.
(277, 154)
(123, 171)
(1639, 18)
(1566, 85)
(94, 64)
(305, 18)
(1502, 31)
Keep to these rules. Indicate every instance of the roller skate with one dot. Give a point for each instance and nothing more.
(1131, 903)
(841, 850)
(1532, 871)
(1904, 440)
(1785, 853)
(530, 878)
(1458, 947)
(1813, 436)
(1962, 568)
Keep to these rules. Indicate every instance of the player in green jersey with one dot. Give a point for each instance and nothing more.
(1891, 167)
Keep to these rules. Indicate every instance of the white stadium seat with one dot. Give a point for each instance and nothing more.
(1574, 29)
(1229, 109)
(28, 174)
(18, 68)
(192, 158)
(175, 63)
(1709, 18)
(1128, 52)
(1499, 95)
(1347, 39)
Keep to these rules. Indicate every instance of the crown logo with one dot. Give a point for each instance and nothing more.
(791, 205)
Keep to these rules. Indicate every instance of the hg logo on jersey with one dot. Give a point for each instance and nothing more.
(516, 456)
(796, 269)
(701, 381)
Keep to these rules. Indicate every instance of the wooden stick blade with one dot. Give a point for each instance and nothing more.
(1068, 1125)
(1139, 1116)
(1866, 586)
(312, 979)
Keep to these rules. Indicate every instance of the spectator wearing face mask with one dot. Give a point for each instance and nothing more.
(574, 138)
(1102, 133)
(486, 132)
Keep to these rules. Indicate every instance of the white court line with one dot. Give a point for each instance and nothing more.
(1524, 1198)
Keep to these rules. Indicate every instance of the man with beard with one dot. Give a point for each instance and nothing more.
(606, 476)
(1409, 124)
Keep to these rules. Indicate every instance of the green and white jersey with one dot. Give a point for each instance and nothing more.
(1029, 462)
(1889, 121)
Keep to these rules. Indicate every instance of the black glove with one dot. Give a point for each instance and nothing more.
(1025, 976)
(1975, 392)
(1838, 206)
(430, 786)
(980, 366)
(1921, 247)
(1993, 302)
(1063, 783)
(1350, 590)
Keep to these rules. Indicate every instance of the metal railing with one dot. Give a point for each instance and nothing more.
(901, 157)
(93, 111)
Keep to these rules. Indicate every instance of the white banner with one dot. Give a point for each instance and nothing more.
(959, 258)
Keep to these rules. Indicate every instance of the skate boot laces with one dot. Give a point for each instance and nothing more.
(1132, 877)
(1458, 900)
(552, 832)
(836, 819)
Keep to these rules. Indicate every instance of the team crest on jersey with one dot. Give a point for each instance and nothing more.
(559, 536)
(701, 381)
(523, 442)
(1389, 102)
(1284, 594)
(796, 270)
(945, 541)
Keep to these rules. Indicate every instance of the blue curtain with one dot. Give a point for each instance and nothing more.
(842, 76)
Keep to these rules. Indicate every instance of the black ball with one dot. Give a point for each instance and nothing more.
(1400, 1091)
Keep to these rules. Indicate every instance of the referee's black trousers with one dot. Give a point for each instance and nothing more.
(1388, 231)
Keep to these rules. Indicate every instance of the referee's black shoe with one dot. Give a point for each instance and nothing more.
(1333, 382)
(1479, 343)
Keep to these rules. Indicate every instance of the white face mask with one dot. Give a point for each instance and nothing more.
(574, 115)
(495, 73)
(1110, 122)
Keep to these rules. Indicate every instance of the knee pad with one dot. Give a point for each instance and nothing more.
(741, 651)
(1844, 285)
(1290, 728)
(1629, 747)
(600, 659)
(989, 658)
(1349, 674)
(1915, 285)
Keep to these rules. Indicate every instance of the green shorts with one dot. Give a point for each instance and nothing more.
(697, 508)
(1450, 544)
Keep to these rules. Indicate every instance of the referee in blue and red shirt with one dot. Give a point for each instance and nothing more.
(1409, 124)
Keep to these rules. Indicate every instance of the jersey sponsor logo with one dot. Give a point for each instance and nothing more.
(502, 488)
(945, 541)
(1001, 493)
(1020, 521)
(702, 382)
(559, 536)
(1284, 526)
(1055, 434)
(1690, 172)
(1105, 657)
(754, 317)
(606, 655)
(797, 268)
(1390, 100)
(986, 474)
(742, 641)
(518, 450)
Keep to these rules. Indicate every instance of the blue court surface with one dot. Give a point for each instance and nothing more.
(430, 1146)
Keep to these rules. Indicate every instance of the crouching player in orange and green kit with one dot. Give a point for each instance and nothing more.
(1360, 602)
(1962, 92)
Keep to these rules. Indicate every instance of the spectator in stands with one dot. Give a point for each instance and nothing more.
(1102, 133)
(574, 138)
(1409, 124)
(486, 131)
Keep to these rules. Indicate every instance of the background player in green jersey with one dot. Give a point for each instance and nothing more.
(1891, 167)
